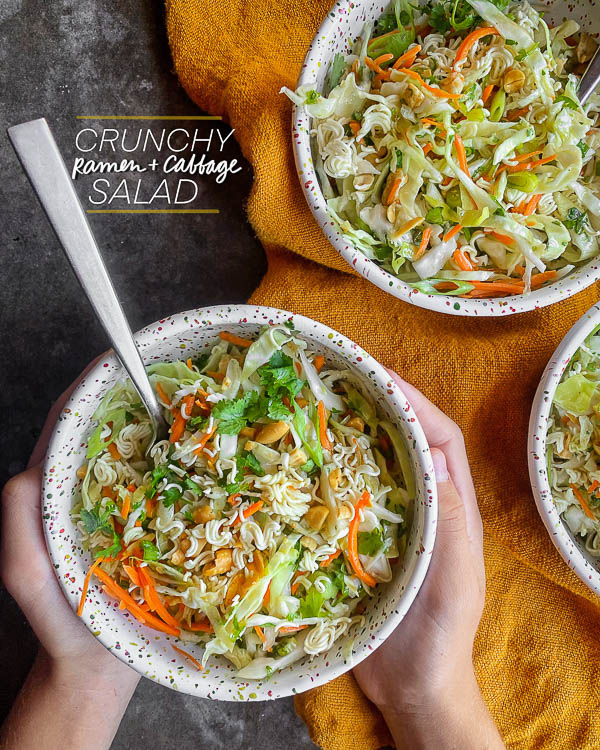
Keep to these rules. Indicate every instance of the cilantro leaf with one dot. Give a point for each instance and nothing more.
(370, 542)
(583, 147)
(249, 461)
(576, 220)
(95, 519)
(111, 551)
(232, 413)
(171, 496)
(201, 360)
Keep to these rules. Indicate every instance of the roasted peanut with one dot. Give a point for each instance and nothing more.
(513, 80)
(413, 96)
(177, 557)
(344, 512)
(185, 544)
(271, 433)
(454, 83)
(234, 588)
(203, 514)
(82, 471)
(221, 564)
(298, 457)
(315, 517)
(391, 214)
(308, 542)
(248, 432)
(302, 402)
(356, 423)
(334, 478)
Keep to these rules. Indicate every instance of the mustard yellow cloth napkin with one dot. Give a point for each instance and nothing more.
(537, 651)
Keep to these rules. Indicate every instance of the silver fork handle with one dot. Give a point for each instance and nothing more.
(38, 153)
(590, 78)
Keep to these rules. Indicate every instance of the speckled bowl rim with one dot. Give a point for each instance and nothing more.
(318, 56)
(228, 315)
(560, 535)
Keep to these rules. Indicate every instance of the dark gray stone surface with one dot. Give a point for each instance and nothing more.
(61, 59)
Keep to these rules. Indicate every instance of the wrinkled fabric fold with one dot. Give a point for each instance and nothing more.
(536, 653)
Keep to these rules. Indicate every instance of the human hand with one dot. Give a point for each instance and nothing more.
(27, 573)
(422, 676)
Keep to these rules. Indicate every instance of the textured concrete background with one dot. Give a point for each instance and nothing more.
(61, 59)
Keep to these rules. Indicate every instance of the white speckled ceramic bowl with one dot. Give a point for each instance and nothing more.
(151, 653)
(337, 33)
(570, 546)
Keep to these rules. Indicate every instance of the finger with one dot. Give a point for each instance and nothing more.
(441, 432)
(24, 562)
(452, 534)
(39, 451)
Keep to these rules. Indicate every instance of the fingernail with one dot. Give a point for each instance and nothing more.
(439, 466)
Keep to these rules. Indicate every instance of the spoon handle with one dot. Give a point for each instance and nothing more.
(39, 155)
(590, 78)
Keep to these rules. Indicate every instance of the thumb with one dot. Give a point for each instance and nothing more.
(452, 517)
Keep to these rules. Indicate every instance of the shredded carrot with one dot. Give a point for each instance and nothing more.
(109, 492)
(408, 226)
(424, 243)
(114, 452)
(325, 442)
(526, 165)
(177, 428)
(201, 627)
(132, 573)
(432, 89)
(593, 486)
(485, 94)
(380, 71)
(462, 260)
(427, 148)
(435, 123)
(501, 287)
(582, 502)
(294, 587)
(452, 232)
(86, 584)
(526, 157)
(446, 181)
(259, 633)
(470, 40)
(331, 558)
(150, 507)
(250, 510)
(462, 154)
(163, 396)
(204, 440)
(531, 205)
(136, 610)
(383, 58)
(233, 339)
(126, 506)
(365, 499)
(354, 127)
(153, 598)
(233, 499)
(504, 238)
(189, 657)
(318, 362)
(392, 191)
(407, 59)
(189, 363)
(219, 376)
(267, 596)
(539, 279)
(514, 114)
(291, 629)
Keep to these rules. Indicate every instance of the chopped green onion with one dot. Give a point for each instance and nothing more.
(497, 105)
(476, 115)
(524, 181)
(453, 197)
(428, 287)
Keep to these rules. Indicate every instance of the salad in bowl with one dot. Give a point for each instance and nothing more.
(452, 151)
(278, 532)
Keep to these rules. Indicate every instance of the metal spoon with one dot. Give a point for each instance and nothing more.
(39, 155)
(590, 78)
